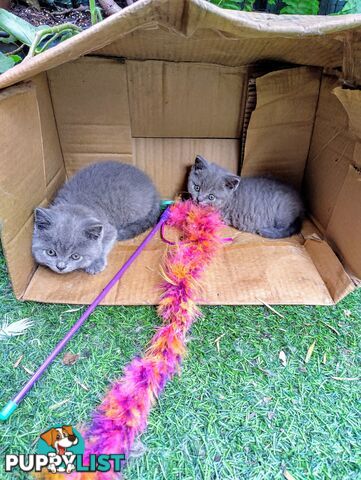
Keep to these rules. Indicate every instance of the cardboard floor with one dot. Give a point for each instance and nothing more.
(251, 270)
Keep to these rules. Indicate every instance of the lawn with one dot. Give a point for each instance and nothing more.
(235, 412)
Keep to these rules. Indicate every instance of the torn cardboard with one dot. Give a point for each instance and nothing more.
(330, 154)
(279, 133)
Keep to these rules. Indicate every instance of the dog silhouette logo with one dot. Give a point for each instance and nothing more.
(61, 442)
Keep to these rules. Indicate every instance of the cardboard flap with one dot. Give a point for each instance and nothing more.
(22, 188)
(330, 268)
(331, 153)
(242, 37)
(344, 228)
(279, 132)
(333, 180)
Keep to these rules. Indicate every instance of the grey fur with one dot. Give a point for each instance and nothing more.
(102, 203)
(251, 204)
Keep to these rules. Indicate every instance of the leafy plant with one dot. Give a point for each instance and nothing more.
(351, 6)
(304, 7)
(22, 34)
(248, 5)
(95, 12)
(8, 61)
(301, 7)
(230, 4)
(18, 28)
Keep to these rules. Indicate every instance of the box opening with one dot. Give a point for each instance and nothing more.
(294, 122)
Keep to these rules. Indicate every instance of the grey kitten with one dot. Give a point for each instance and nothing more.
(251, 204)
(102, 203)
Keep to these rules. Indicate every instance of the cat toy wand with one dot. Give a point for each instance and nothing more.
(13, 404)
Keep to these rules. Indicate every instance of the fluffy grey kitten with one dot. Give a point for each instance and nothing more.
(251, 204)
(102, 203)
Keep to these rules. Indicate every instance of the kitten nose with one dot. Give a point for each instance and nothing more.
(60, 266)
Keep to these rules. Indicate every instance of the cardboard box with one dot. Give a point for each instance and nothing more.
(165, 80)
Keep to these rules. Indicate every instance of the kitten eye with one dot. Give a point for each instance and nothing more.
(211, 197)
(51, 252)
(197, 188)
(75, 256)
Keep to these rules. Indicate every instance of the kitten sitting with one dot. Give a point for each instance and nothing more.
(251, 204)
(102, 203)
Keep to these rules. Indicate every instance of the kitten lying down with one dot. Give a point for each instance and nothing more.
(251, 204)
(102, 203)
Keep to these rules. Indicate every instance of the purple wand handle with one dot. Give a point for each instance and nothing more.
(12, 405)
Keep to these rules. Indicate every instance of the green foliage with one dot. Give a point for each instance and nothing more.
(47, 37)
(18, 28)
(351, 6)
(302, 7)
(8, 61)
(8, 39)
(248, 5)
(231, 4)
(22, 33)
(95, 12)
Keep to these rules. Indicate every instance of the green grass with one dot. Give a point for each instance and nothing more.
(236, 413)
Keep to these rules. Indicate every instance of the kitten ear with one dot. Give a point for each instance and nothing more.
(200, 163)
(42, 218)
(93, 231)
(231, 181)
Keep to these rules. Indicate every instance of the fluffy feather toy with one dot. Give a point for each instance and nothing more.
(123, 413)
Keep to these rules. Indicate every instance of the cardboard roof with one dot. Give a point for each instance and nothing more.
(195, 30)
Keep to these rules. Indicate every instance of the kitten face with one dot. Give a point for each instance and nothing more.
(65, 238)
(209, 184)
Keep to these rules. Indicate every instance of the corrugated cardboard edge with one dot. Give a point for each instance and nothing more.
(184, 17)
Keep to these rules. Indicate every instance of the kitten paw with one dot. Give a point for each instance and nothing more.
(96, 267)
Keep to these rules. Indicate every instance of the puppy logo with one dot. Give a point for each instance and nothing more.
(61, 450)
(61, 444)
(60, 439)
